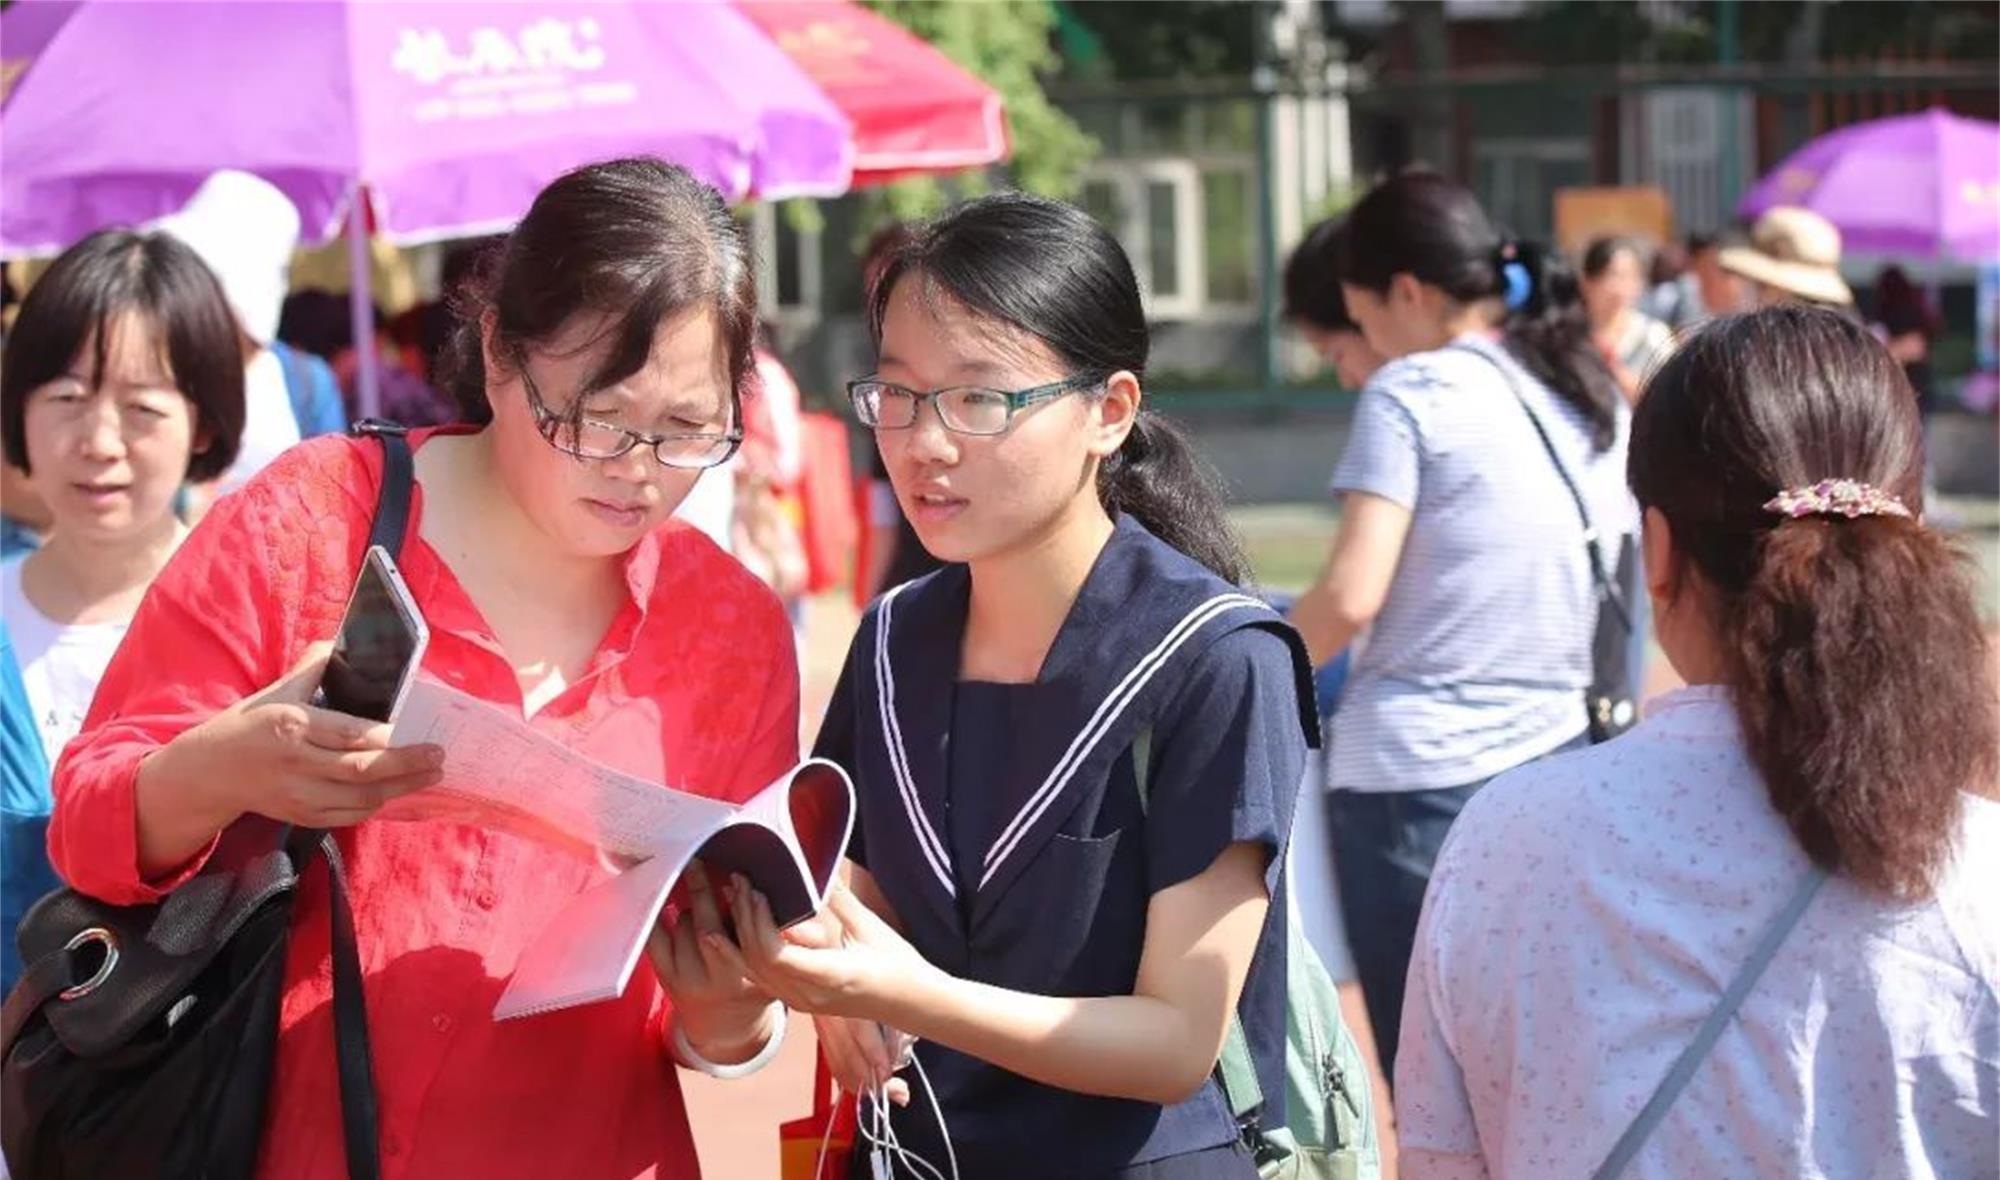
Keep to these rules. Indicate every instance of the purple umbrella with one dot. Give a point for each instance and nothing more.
(1926, 184)
(452, 115)
(449, 117)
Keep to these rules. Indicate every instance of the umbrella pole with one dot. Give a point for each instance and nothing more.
(361, 307)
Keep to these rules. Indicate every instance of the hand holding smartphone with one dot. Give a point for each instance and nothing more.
(379, 646)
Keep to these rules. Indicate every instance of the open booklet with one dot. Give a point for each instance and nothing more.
(787, 840)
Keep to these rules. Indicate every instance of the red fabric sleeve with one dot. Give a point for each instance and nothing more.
(227, 616)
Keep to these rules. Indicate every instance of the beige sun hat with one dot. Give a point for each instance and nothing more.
(1794, 250)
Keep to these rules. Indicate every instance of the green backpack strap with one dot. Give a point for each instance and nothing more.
(1331, 1125)
(1238, 1073)
(1235, 1070)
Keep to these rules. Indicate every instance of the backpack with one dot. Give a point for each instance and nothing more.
(1329, 1131)
(315, 395)
(25, 873)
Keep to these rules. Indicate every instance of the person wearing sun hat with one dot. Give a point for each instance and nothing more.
(245, 229)
(1793, 257)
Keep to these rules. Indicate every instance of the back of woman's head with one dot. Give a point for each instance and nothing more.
(638, 240)
(160, 283)
(1312, 280)
(1421, 224)
(1852, 644)
(1046, 269)
(1603, 251)
(1901, 306)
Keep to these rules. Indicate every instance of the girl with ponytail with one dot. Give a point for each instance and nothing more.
(1827, 781)
(1461, 548)
(1074, 748)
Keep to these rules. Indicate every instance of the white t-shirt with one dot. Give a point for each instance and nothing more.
(61, 664)
(1587, 912)
(710, 504)
(269, 425)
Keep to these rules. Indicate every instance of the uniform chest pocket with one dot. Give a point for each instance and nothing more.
(1072, 923)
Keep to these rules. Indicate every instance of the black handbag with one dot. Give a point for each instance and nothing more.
(140, 1040)
(1609, 700)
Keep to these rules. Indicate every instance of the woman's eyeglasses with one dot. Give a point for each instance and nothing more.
(965, 409)
(588, 438)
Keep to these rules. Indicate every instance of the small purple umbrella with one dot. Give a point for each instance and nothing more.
(1926, 184)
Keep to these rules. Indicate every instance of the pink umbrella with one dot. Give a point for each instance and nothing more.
(1926, 184)
(913, 110)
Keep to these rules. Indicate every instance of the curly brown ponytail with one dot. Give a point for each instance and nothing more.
(1853, 646)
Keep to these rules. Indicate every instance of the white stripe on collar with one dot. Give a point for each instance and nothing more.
(934, 851)
(1101, 721)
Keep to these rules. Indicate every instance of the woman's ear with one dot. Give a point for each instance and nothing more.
(1405, 292)
(1663, 558)
(489, 344)
(1113, 415)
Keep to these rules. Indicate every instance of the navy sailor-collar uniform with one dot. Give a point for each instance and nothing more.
(1005, 825)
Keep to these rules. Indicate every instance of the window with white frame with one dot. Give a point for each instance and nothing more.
(1178, 186)
(1155, 209)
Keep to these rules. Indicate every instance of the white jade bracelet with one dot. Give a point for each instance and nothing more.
(693, 1060)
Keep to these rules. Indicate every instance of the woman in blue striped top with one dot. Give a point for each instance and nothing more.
(1460, 548)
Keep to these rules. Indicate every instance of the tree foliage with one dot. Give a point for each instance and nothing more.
(1007, 44)
(1147, 39)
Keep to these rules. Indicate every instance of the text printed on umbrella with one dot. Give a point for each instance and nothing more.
(428, 55)
(494, 73)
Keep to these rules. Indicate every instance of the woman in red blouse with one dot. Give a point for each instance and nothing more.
(605, 358)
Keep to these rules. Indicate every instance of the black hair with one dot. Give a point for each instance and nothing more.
(92, 284)
(1050, 271)
(1421, 224)
(1598, 256)
(1853, 647)
(883, 245)
(637, 238)
(1312, 280)
(1901, 306)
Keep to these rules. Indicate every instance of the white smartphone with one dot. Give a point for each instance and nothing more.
(381, 642)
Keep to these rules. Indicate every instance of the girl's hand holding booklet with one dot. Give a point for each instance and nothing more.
(787, 839)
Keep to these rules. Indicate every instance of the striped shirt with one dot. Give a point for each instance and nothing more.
(1481, 653)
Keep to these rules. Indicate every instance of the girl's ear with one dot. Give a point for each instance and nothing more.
(489, 343)
(1113, 414)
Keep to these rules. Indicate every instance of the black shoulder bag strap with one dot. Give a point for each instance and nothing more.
(358, 1115)
(1599, 572)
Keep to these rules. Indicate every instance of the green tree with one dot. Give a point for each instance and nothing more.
(1123, 40)
(1007, 45)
